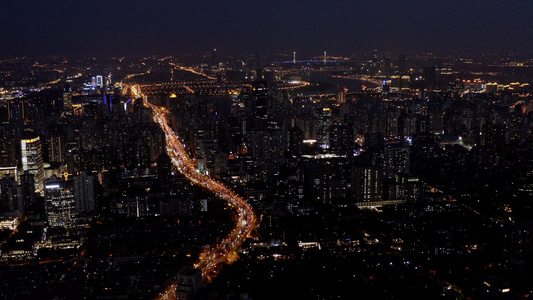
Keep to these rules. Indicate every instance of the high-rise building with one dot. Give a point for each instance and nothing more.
(16, 109)
(258, 107)
(99, 81)
(411, 188)
(27, 188)
(491, 87)
(60, 205)
(397, 159)
(367, 183)
(56, 142)
(375, 62)
(342, 138)
(164, 168)
(341, 96)
(32, 157)
(67, 99)
(84, 193)
(9, 170)
(324, 122)
(10, 199)
(402, 64)
(296, 136)
(8, 148)
(189, 282)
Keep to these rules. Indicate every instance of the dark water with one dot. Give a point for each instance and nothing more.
(322, 83)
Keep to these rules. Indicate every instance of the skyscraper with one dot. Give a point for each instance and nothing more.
(375, 62)
(402, 64)
(99, 81)
(67, 99)
(59, 203)
(56, 142)
(10, 194)
(397, 159)
(32, 157)
(84, 193)
(27, 188)
(189, 282)
(367, 183)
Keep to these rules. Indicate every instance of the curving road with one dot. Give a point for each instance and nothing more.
(245, 217)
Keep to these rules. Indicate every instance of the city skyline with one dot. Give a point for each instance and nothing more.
(391, 175)
(169, 28)
(266, 150)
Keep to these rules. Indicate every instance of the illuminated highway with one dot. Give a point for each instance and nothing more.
(245, 218)
(192, 70)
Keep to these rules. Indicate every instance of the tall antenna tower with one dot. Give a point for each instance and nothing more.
(325, 57)
(294, 57)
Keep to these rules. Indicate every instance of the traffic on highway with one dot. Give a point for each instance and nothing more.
(212, 258)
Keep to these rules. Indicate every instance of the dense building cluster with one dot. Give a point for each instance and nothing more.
(376, 175)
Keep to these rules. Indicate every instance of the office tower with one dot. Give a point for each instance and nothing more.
(259, 104)
(84, 193)
(99, 81)
(67, 99)
(27, 188)
(189, 282)
(60, 204)
(10, 199)
(32, 157)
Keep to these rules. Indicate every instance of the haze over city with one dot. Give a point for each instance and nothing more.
(164, 27)
(257, 150)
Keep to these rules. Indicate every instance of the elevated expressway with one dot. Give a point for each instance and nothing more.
(245, 217)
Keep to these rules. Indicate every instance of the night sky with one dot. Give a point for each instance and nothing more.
(120, 27)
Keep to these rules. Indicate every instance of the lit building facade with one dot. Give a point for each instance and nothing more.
(60, 204)
(32, 157)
